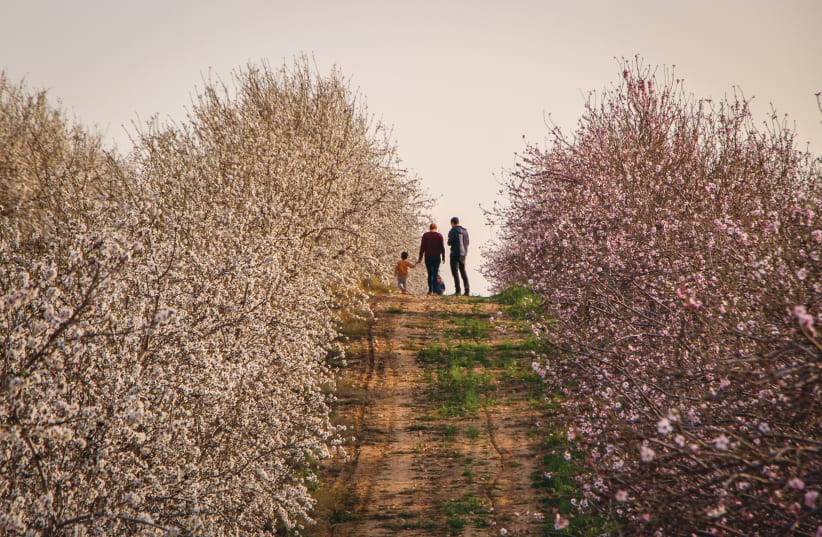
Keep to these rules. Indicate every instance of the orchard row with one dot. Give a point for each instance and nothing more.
(677, 249)
(166, 316)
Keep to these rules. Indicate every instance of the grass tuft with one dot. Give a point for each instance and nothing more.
(521, 301)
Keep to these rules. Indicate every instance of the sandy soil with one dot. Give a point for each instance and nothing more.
(411, 471)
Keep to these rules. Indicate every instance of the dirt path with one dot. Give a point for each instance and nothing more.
(441, 410)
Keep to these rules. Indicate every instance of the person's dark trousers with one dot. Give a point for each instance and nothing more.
(432, 265)
(458, 264)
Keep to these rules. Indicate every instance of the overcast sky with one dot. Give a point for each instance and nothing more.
(460, 82)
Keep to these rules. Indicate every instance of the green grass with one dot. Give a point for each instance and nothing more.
(466, 372)
(473, 328)
(343, 504)
(465, 353)
(522, 302)
(455, 524)
(468, 473)
(470, 353)
(457, 511)
(528, 381)
(448, 433)
(530, 343)
(556, 477)
(461, 390)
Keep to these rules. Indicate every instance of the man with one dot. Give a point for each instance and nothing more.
(432, 246)
(458, 241)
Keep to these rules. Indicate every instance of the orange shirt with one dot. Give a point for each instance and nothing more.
(402, 267)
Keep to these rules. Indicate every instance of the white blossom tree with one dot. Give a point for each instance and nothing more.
(167, 315)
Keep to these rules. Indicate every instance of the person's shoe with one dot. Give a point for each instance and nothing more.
(456, 293)
(467, 292)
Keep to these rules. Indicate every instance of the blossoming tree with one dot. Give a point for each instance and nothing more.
(678, 250)
(166, 316)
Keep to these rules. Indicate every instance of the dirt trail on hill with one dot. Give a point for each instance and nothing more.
(415, 465)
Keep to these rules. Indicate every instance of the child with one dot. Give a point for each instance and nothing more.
(401, 270)
(440, 287)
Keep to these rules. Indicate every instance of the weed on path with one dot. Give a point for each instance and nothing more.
(446, 426)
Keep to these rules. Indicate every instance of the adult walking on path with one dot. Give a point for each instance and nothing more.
(432, 247)
(458, 241)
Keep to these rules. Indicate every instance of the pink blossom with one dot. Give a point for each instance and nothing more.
(724, 383)
(717, 511)
(721, 442)
(692, 303)
(560, 522)
(810, 498)
(677, 300)
(796, 483)
(803, 317)
(646, 454)
(621, 495)
(663, 426)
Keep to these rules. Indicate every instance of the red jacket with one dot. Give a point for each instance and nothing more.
(432, 245)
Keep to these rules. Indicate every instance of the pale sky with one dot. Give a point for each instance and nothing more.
(461, 82)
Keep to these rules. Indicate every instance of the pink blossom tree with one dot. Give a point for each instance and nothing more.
(678, 250)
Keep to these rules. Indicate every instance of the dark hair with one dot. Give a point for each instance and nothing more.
(404, 255)
(455, 220)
